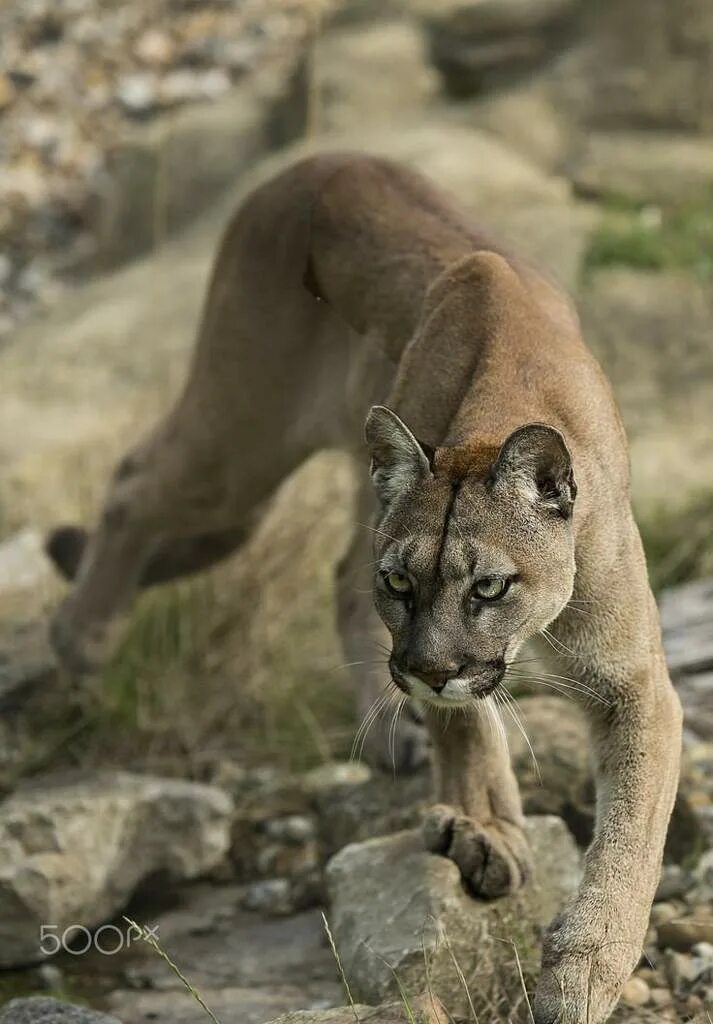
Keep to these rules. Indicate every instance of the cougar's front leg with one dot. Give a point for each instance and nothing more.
(478, 820)
(595, 943)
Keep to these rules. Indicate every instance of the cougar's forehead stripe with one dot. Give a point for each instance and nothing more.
(447, 518)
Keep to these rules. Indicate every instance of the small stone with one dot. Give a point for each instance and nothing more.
(683, 933)
(154, 47)
(51, 976)
(694, 1004)
(296, 829)
(662, 912)
(138, 94)
(674, 882)
(270, 896)
(661, 997)
(680, 970)
(336, 773)
(636, 992)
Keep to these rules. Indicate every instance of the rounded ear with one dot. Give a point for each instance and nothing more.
(398, 461)
(536, 459)
(65, 546)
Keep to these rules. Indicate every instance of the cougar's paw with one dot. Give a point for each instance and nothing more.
(494, 859)
(65, 546)
(82, 650)
(587, 958)
(405, 751)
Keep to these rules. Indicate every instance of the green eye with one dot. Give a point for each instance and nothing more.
(490, 588)
(398, 583)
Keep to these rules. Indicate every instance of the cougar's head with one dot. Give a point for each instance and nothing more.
(474, 552)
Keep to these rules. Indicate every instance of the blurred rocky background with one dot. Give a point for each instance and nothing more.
(204, 782)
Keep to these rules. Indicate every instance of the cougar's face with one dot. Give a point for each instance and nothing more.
(474, 555)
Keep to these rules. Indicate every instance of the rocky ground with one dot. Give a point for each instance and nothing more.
(74, 77)
(222, 833)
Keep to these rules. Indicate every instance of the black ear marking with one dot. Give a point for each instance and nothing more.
(64, 547)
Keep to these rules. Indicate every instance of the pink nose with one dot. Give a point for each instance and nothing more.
(436, 680)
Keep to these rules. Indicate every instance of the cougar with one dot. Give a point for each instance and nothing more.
(348, 287)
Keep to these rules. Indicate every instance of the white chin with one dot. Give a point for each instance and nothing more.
(456, 693)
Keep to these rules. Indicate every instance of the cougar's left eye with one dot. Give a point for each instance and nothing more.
(490, 588)
(398, 584)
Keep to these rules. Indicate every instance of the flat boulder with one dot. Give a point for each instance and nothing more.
(73, 852)
(403, 922)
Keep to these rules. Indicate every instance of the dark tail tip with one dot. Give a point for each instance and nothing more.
(65, 547)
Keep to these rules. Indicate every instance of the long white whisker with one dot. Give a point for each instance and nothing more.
(509, 703)
(371, 714)
(556, 644)
(392, 731)
(563, 683)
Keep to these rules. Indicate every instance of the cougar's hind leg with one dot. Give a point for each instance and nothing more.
(163, 517)
(366, 644)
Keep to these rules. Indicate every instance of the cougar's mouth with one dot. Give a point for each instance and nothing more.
(456, 692)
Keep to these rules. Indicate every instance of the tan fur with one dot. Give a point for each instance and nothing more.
(348, 281)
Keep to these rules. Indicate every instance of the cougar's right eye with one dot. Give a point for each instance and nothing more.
(398, 584)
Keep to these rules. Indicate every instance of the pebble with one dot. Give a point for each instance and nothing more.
(680, 970)
(74, 74)
(636, 992)
(674, 882)
(269, 896)
(138, 94)
(295, 829)
(682, 933)
(155, 47)
(662, 912)
(661, 997)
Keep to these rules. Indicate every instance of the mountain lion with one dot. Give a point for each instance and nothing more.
(500, 478)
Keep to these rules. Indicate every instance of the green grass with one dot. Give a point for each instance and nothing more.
(654, 238)
(678, 541)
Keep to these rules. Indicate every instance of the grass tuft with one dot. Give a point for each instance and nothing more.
(654, 238)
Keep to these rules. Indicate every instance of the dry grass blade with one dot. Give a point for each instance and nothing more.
(521, 975)
(461, 975)
(342, 975)
(174, 967)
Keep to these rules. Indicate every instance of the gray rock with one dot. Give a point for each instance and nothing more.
(23, 564)
(640, 70)
(477, 45)
(394, 907)
(72, 853)
(26, 662)
(675, 881)
(42, 1010)
(422, 1010)
(645, 167)
(686, 615)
